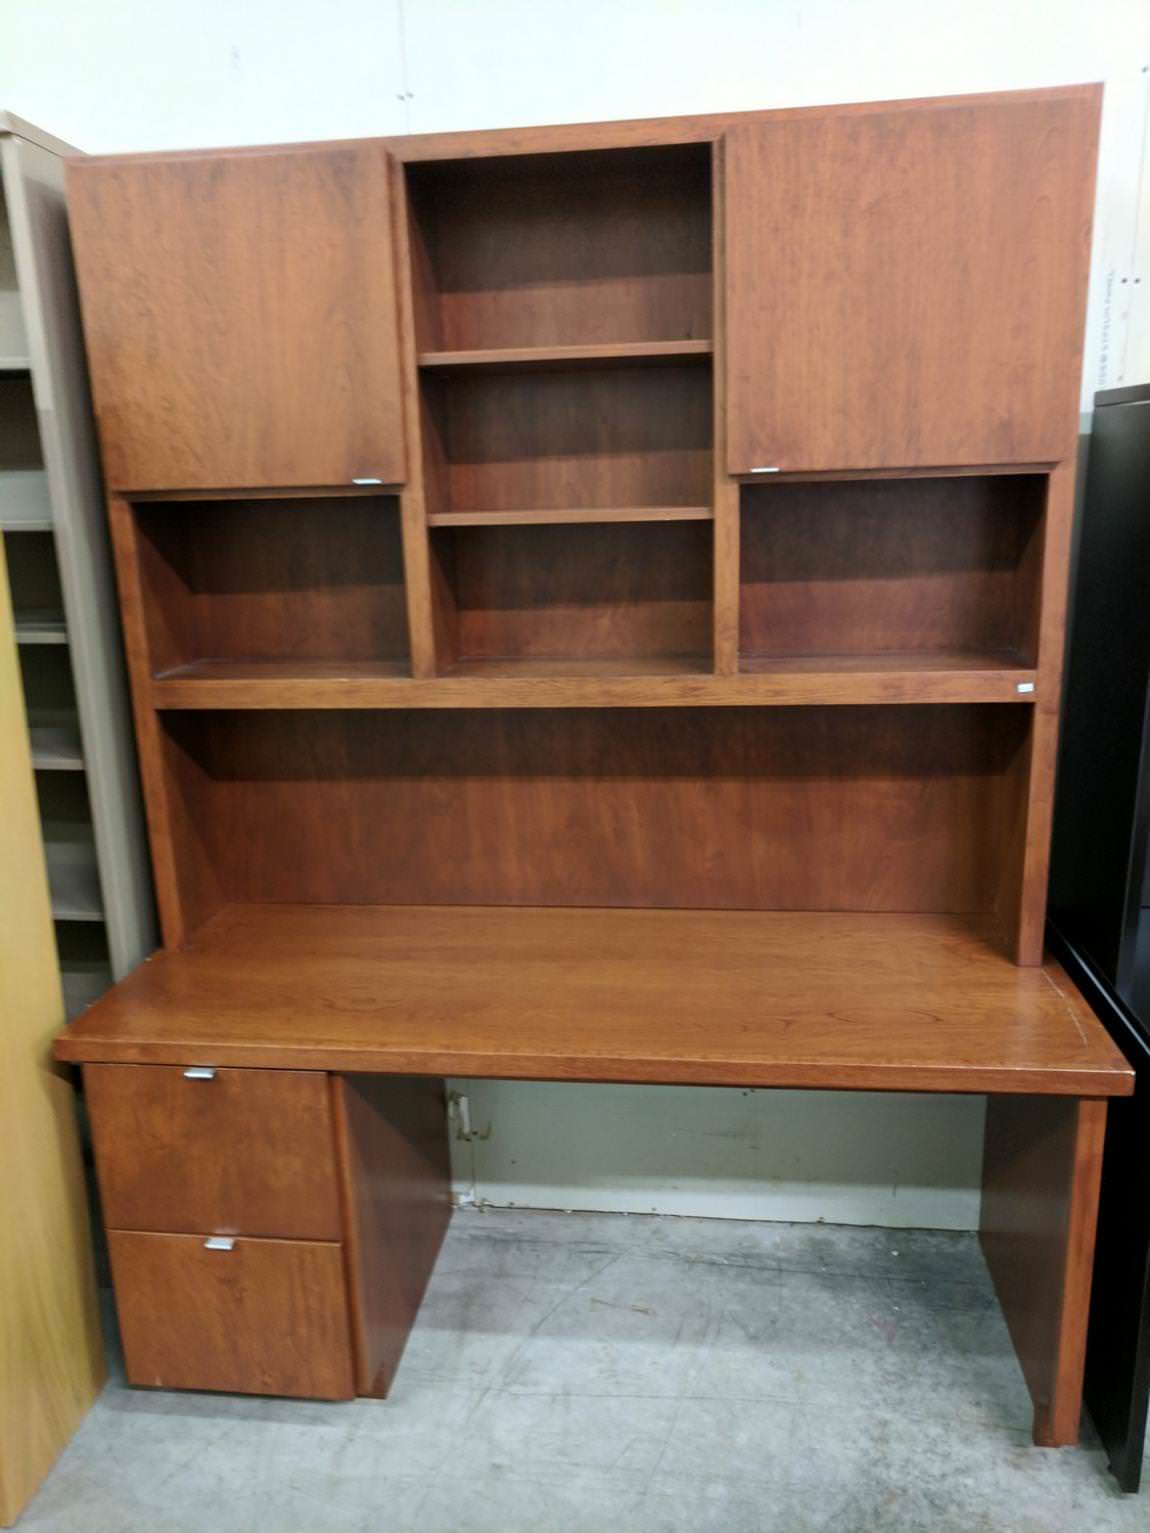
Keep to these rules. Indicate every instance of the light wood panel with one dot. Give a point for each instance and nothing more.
(882, 808)
(735, 998)
(908, 287)
(241, 317)
(266, 1317)
(1041, 1173)
(51, 1354)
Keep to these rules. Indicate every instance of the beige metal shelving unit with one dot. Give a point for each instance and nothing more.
(60, 574)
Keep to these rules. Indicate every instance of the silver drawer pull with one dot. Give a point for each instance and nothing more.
(219, 1243)
(200, 1073)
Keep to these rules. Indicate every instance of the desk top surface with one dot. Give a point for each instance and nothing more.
(790, 999)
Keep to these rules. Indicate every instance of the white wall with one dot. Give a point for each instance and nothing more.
(152, 74)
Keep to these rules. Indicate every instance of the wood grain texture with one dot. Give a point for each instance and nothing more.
(804, 809)
(240, 315)
(627, 681)
(614, 591)
(396, 1173)
(273, 580)
(268, 1317)
(251, 1152)
(51, 1352)
(908, 287)
(910, 565)
(874, 1002)
(562, 440)
(577, 249)
(1041, 1171)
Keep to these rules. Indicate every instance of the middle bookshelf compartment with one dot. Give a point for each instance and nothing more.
(574, 600)
(633, 440)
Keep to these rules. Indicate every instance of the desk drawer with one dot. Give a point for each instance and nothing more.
(265, 1317)
(246, 1152)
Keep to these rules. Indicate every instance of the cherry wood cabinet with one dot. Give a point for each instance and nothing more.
(246, 332)
(902, 286)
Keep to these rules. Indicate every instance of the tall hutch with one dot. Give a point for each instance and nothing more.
(594, 598)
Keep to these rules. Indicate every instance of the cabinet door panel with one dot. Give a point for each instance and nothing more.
(265, 1317)
(240, 313)
(906, 288)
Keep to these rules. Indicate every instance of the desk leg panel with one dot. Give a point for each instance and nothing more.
(1040, 1181)
(395, 1176)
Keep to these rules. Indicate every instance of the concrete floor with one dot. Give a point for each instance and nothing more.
(598, 1371)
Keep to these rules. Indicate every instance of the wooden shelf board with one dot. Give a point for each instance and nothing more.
(40, 626)
(24, 502)
(583, 682)
(787, 999)
(609, 354)
(569, 516)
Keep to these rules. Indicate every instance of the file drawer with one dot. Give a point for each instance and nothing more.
(236, 1152)
(264, 1317)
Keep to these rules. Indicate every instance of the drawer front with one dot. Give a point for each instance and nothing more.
(267, 1317)
(246, 1152)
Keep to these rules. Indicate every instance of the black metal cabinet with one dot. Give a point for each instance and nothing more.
(1100, 889)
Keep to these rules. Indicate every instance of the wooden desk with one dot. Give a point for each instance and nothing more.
(385, 1001)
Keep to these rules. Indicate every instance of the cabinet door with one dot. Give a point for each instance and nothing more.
(240, 313)
(906, 288)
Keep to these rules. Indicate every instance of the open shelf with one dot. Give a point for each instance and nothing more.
(40, 625)
(602, 354)
(904, 574)
(295, 582)
(814, 808)
(837, 1000)
(85, 966)
(25, 505)
(602, 248)
(568, 441)
(53, 720)
(73, 873)
(69, 847)
(24, 502)
(55, 740)
(637, 594)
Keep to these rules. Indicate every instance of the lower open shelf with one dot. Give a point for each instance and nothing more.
(784, 998)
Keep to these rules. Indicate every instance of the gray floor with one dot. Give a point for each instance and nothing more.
(578, 1372)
